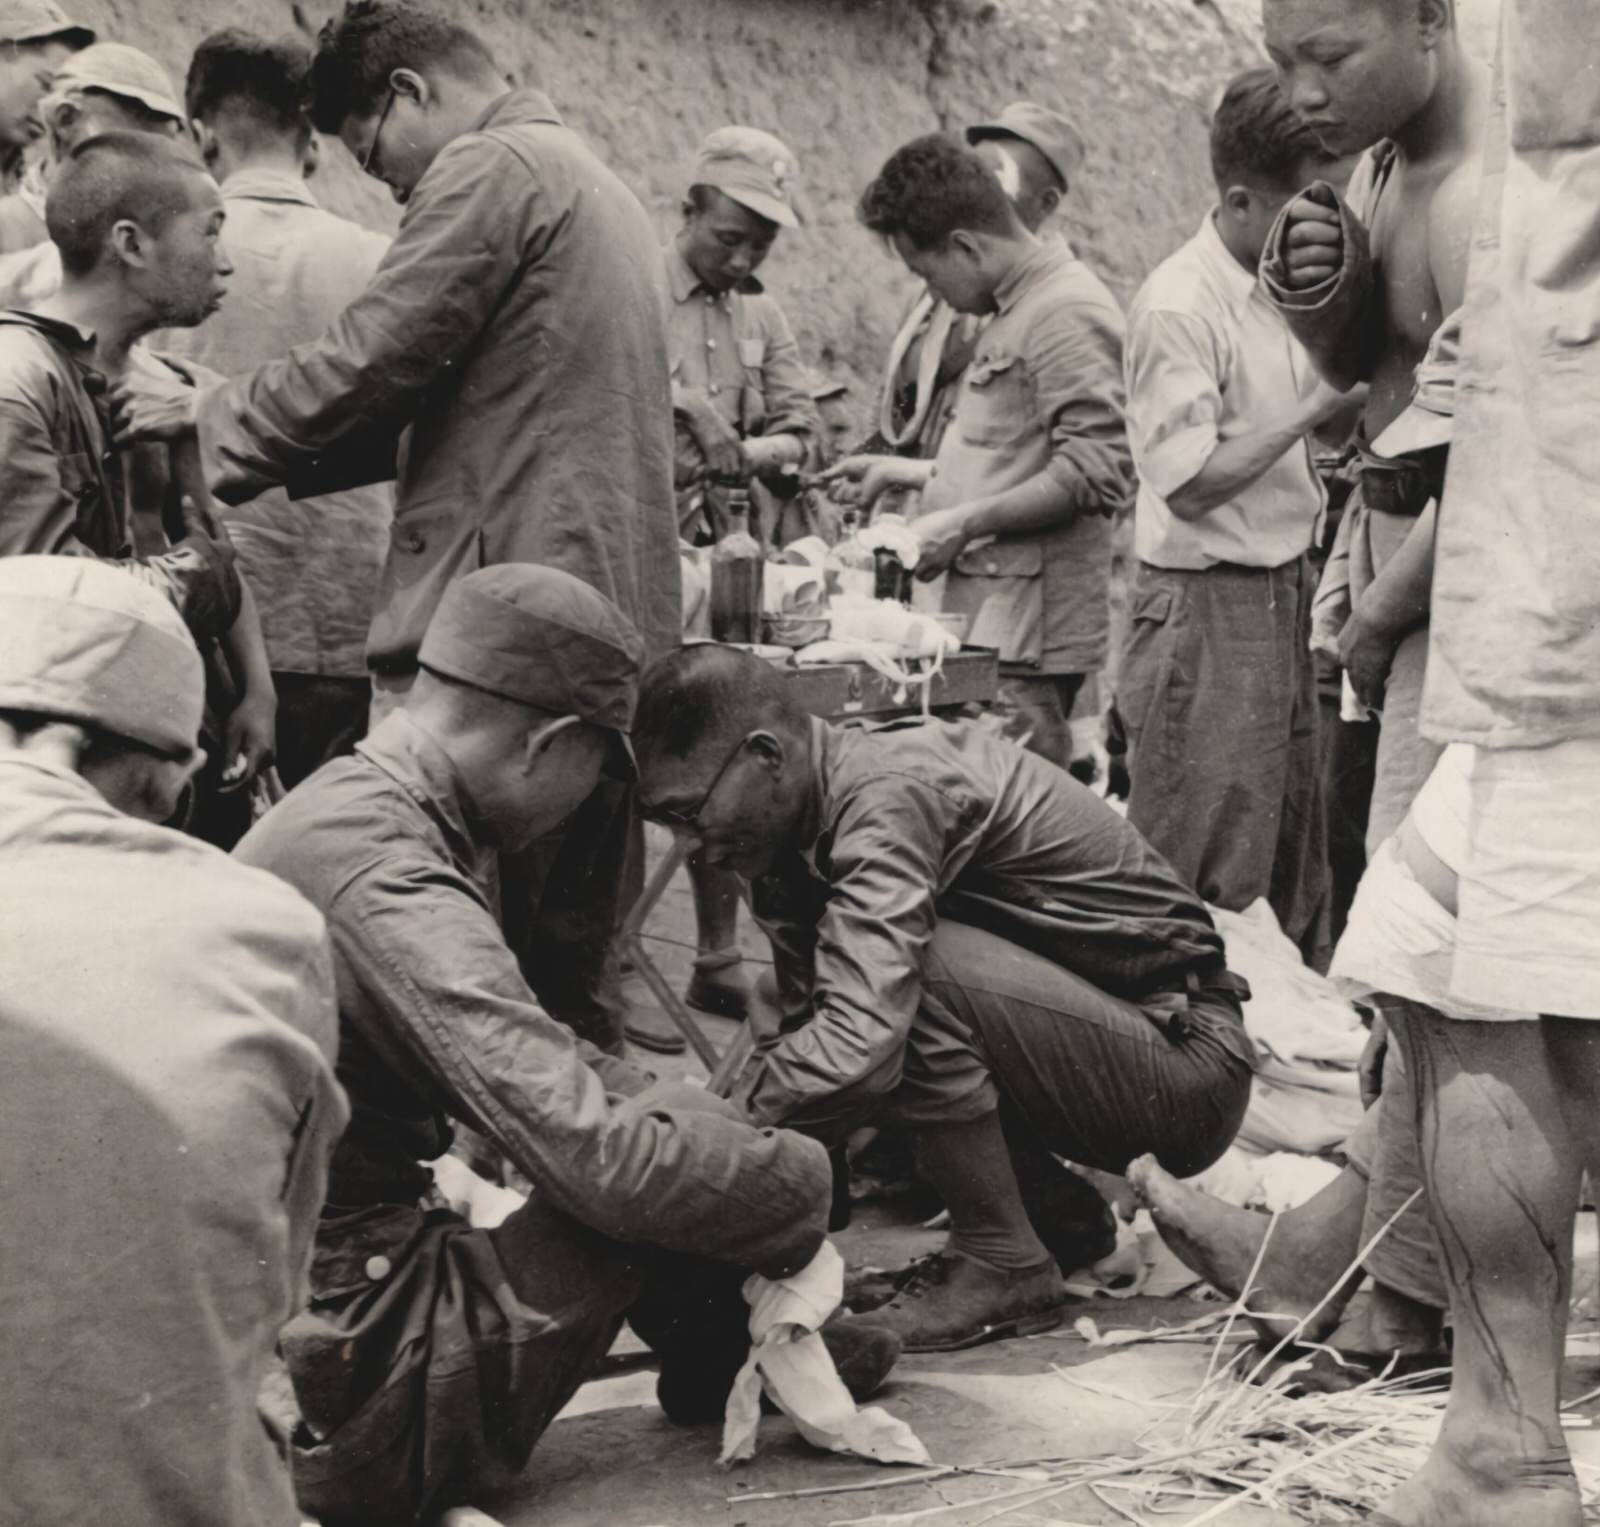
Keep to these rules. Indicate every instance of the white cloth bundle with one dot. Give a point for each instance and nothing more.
(789, 1361)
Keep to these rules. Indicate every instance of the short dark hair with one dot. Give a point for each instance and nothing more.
(111, 177)
(358, 52)
(262, 86)
(1257, 136)
(705, 693)
(929, 188)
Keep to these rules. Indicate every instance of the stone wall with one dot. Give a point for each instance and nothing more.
(844, 82)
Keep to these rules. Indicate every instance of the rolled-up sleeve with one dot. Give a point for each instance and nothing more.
(1174, 398)
(1075, 359)
(427, 952)
(328, 415)
(866, 960)
(1336, 319)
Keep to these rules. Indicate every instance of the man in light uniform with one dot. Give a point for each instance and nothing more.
(1015, 510)
(167, 1092)
(312, 564)
(742, 402)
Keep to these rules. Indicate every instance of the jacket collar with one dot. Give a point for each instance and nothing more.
(517, 106)
(268, 185)
(1049, 256)
(1234, 279)
(68, 335)
(420, 767)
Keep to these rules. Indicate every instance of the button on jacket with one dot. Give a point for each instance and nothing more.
(313, 565)
(910, 823)
(167, 1109)
(508, 362)
(437, 1023)
(1043, 393)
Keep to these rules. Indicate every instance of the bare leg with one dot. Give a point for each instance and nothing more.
(1502, 1171)
(1310, 1247)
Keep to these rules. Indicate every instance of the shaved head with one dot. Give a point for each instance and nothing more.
(1358, 71)
(119, 177)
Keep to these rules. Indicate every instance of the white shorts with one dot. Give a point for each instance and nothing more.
(1400, 942)
(1528, 929)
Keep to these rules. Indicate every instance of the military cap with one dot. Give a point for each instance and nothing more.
(41, 21)
(1048, 131)
(753, 168)
(117, 69)
(541, 637)
(89, 642)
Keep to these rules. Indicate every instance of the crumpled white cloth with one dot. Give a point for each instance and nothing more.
(789, 1361)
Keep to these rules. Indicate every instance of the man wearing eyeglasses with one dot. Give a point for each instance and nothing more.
(434, 1352)
(507, 366)
(969, 945)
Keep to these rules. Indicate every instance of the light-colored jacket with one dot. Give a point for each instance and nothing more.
(313, 565)
(167, 1110)
(1514, 655)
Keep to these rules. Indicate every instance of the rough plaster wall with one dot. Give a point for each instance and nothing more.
(844, 82)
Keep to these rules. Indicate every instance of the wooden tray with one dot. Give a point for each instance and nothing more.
(840, 691)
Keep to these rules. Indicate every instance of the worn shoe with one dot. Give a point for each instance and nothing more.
(651, 1029)
(951, 1302)
(723, 990)
(693, 1387)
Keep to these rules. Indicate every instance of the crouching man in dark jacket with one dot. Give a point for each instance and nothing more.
(969, 944)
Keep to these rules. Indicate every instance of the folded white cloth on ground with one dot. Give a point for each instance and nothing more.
(789, 1361)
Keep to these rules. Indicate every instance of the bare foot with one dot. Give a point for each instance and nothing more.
(1388, 1322)
(1484, 1486)
(1308, 1250)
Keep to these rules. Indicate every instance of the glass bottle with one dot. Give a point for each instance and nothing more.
(736, 575)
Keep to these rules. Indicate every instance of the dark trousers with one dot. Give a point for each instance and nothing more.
(429, 1386)
(1092, 1077)
(320, 717)
(1349, 757)
(1218, 694)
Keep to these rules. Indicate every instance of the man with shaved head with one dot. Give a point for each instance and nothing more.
(1365, 281)
(135, 226)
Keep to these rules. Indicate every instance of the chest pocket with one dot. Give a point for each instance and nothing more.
(997, 405)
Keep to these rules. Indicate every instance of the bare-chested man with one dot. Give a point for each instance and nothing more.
(1391, 76)
(1365, 282)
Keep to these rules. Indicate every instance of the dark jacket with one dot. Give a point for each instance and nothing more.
(508, 365)
(910, 823)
